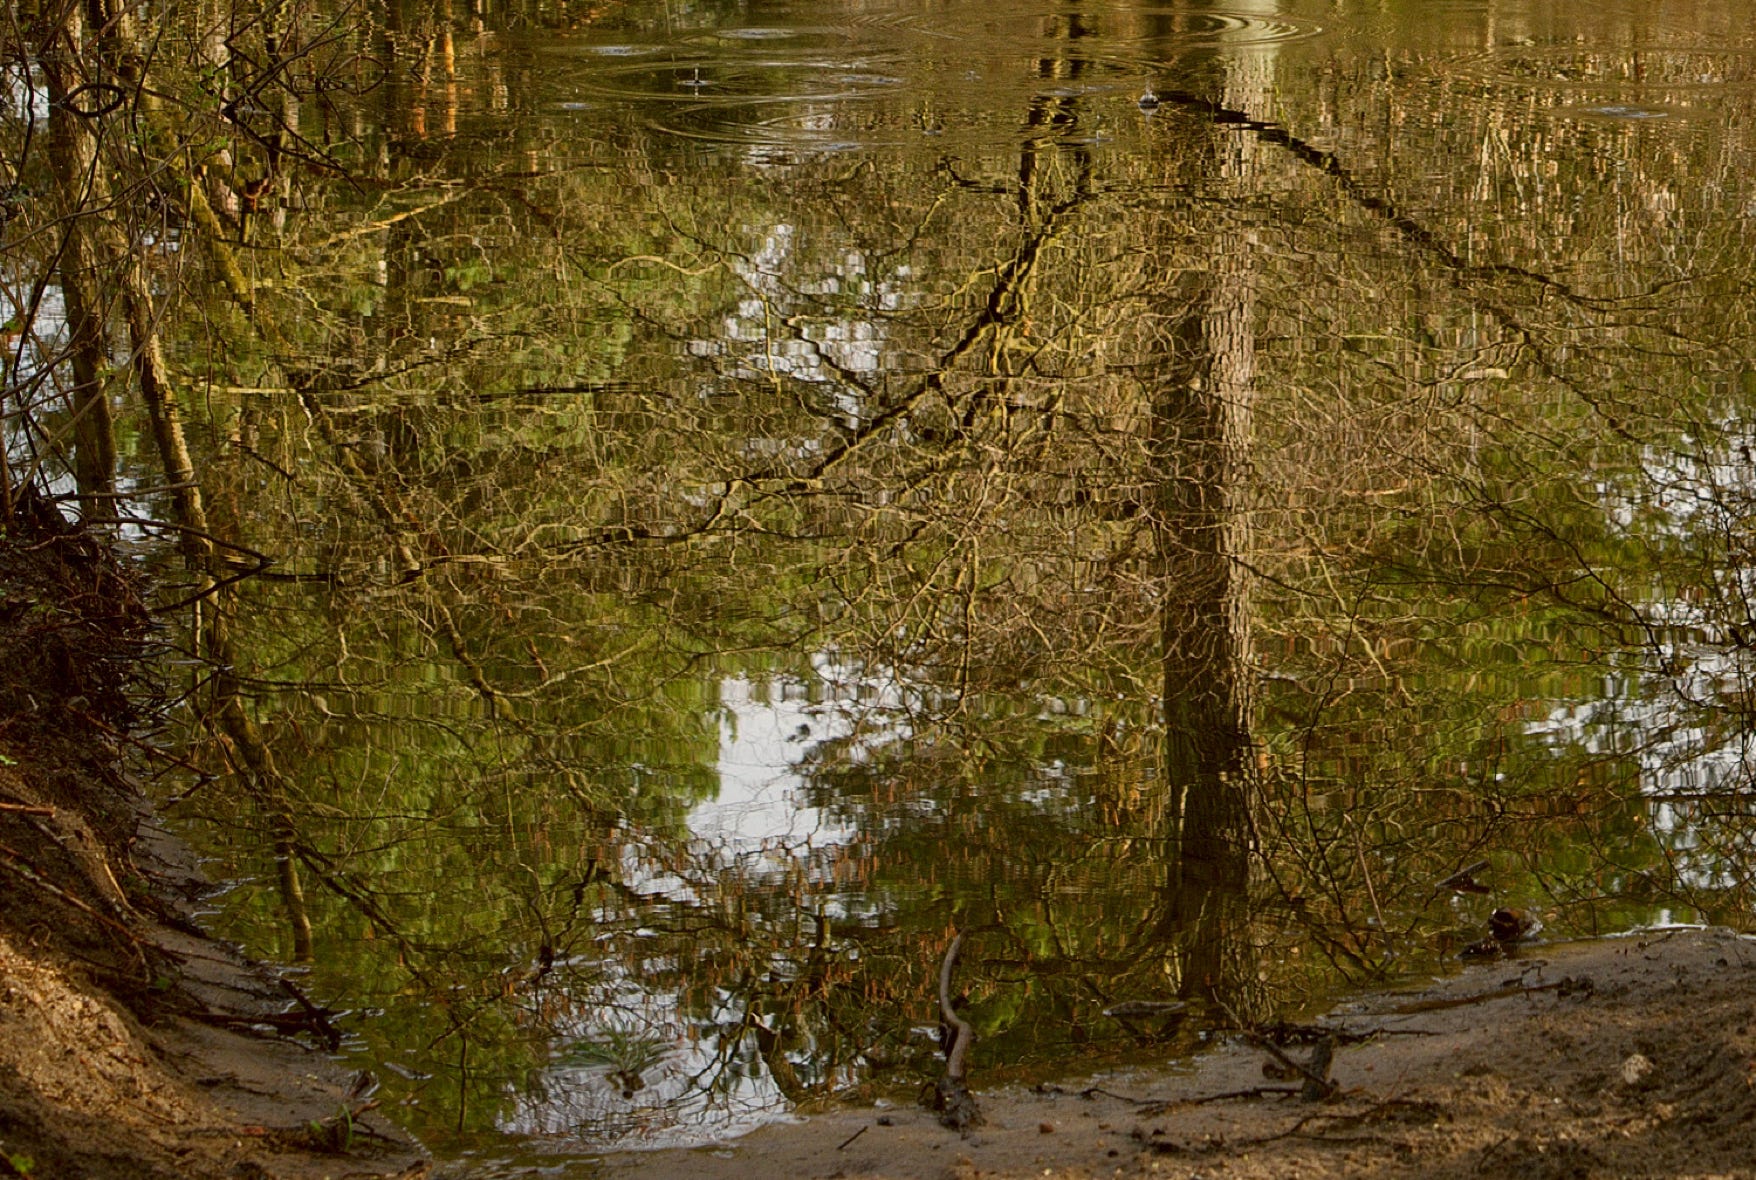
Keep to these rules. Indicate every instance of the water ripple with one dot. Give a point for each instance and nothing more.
(1571, 68)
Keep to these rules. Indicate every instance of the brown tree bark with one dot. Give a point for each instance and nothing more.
(82, 199)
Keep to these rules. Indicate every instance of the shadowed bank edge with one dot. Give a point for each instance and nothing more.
(131, 1044)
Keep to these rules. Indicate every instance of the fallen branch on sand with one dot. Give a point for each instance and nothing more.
(1567, 985)
(1152, 1106)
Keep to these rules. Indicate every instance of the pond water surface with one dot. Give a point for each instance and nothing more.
(1156, 487)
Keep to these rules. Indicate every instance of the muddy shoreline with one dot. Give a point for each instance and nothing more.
(131, 1044)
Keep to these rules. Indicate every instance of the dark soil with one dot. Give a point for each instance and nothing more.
(131, 1045)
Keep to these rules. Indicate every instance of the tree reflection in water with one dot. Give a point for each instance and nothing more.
(728, 535)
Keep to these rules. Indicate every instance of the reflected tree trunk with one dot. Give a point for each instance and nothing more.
(1201, 429)
(96, 246)
(81, 197)
(1200, 438)
(165, 415)
(250, 755)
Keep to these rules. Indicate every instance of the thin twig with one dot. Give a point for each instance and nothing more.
(319, 1017)
(1566, 985)
(155, 751)
(963, 1033)
(1160, 1105)
(1225, 1096)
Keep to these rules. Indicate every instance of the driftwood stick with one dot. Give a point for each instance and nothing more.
(951, 1096)
(962, 1033)
(1567, 985)
(1155, 1106)
(1464, 879)
(1170, 1104)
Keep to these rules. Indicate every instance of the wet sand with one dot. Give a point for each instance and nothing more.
(1631, 1056)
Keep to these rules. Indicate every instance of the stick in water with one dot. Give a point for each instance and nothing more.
(951, 1097)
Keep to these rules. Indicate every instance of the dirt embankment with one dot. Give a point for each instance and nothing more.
(130, 1044)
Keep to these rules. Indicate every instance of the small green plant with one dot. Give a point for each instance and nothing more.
(333, 1134)
(20, 1163)
(630, 1051)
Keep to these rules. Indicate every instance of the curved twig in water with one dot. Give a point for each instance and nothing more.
(951, 1097)
(963, 1034)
